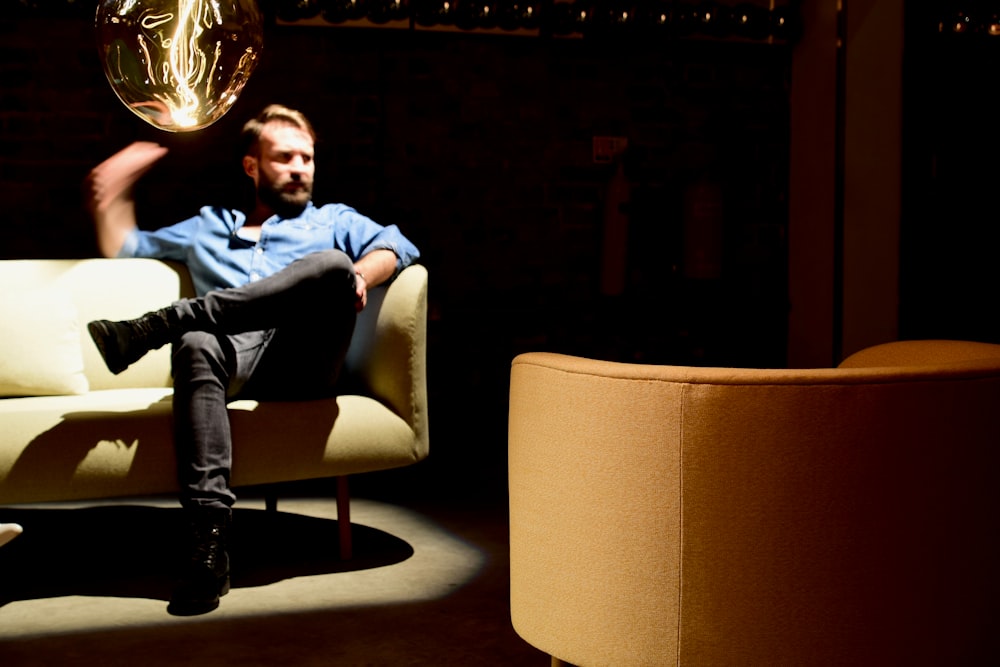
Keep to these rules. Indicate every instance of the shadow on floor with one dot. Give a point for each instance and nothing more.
(132, 551)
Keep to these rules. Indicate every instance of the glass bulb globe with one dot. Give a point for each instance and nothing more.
(179, 64)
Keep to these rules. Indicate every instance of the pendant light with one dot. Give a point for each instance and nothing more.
(179, 65)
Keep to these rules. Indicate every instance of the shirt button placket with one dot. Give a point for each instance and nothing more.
(259, 252)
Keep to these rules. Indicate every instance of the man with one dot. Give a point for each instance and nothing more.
(278, 293)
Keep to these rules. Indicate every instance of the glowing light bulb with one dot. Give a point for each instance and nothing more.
(179, 65)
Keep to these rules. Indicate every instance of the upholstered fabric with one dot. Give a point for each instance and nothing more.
(115, 440)
(107, 289)
(921, 353)
(40, 354)
(667, 515)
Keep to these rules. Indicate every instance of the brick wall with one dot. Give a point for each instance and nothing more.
(480, 148)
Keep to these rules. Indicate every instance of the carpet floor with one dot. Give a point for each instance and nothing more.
(87, 585)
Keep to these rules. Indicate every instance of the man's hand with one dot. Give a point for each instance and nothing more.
(360, 292)
(113, 179)
(373, 269)
(108, 189)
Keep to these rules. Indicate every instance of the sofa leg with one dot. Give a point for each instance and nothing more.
(344, 517)
(343, 514)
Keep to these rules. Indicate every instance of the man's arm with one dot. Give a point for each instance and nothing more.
(109, 193)
(373, 269)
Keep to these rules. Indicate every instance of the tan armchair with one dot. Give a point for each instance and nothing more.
(664, 515)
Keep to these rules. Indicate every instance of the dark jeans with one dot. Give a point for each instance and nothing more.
(282, 337)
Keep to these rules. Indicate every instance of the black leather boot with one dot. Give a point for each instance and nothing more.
(124, 343)
(204, 576)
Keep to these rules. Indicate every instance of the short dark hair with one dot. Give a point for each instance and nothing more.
(250, 137)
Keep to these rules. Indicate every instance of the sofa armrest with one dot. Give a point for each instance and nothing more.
(388, 353)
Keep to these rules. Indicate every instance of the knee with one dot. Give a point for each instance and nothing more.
(324, 262)
(198, 350)
(332, 271)
(197, 342)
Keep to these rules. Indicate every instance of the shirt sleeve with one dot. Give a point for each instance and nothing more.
(165, 243)
(357, 235)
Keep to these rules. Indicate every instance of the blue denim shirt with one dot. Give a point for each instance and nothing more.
(218, 257)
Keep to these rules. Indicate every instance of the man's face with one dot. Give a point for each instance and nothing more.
(284, 169)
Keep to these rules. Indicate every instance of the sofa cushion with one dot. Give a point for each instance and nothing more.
(119, 442)
(40, 354)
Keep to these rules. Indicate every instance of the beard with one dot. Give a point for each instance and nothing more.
(286, 203)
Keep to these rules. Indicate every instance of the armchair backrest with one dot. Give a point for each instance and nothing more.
(709, 516)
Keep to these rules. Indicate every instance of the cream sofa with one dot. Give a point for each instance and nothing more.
(71, 430)
(664, 515)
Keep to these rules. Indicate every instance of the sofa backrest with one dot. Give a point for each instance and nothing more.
(386, 358)
(106, 289)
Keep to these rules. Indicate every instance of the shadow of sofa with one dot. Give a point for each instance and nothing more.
(73, 431)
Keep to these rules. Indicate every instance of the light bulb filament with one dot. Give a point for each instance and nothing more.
(179, 64)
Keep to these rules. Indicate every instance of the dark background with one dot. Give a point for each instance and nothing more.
(480, 147)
